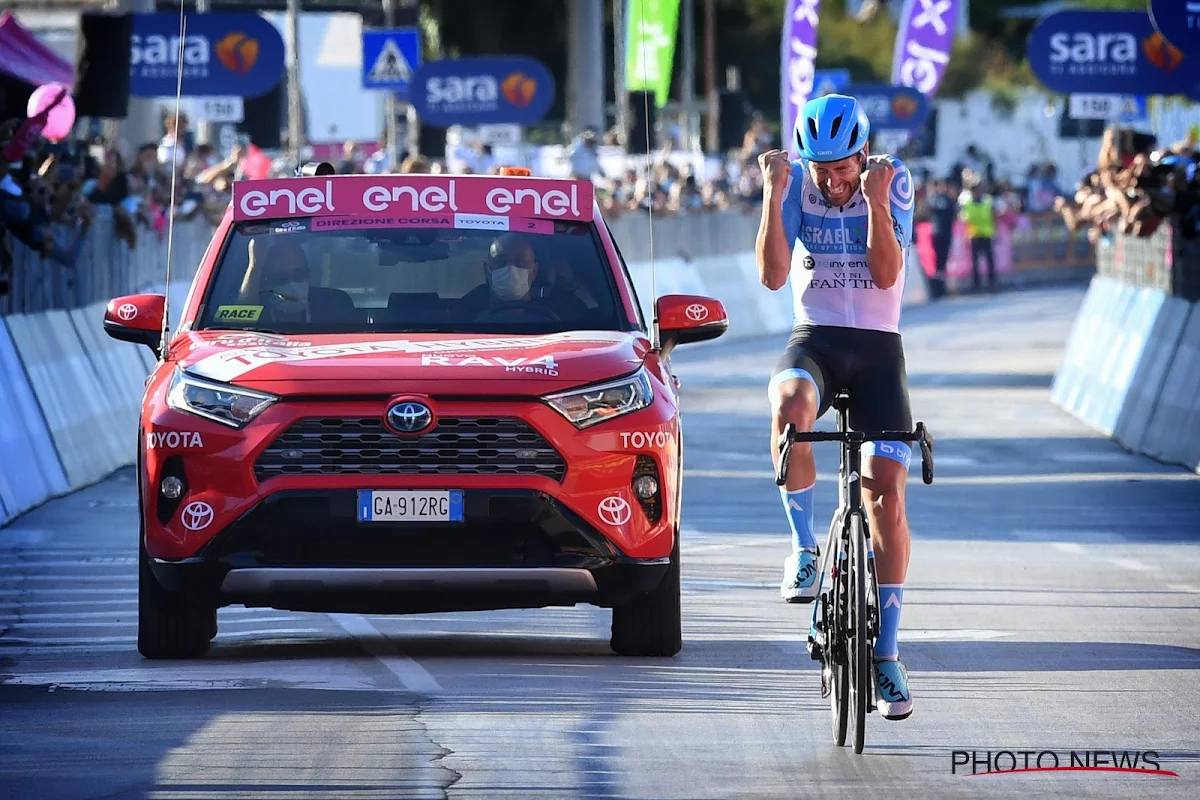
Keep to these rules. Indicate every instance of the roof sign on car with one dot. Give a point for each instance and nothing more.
(366, 195)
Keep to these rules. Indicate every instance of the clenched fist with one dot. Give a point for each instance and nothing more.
(776, 166)
(877, 180)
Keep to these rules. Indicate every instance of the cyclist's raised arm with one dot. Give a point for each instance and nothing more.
(779, 224)
(885, 255)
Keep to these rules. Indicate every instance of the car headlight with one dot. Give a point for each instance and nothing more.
(220, 402)
(603, 401)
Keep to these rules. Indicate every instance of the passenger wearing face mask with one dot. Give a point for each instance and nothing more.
(281, 285)
(511, 288)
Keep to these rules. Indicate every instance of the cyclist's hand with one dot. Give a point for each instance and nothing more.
(877, 180)
(776, 166)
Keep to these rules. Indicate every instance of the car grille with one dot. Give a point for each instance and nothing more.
(455, 446)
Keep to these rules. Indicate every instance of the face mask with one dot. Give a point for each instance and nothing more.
(290, 298)
(510, 282)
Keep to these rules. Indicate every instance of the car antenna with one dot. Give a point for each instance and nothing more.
(174, 171)
(654, 337)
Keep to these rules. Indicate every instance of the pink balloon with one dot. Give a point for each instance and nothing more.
(62, 116)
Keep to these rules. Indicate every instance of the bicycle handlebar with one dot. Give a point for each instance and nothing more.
(920, 435)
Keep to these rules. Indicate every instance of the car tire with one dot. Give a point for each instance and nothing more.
(169, 627)
(651, 623)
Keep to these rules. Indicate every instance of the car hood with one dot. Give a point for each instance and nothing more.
(420, 363)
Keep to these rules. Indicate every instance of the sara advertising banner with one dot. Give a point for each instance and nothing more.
(224, 54)
(1179, 21)
(798, 54)
(891, 108)
(1108, 52)
(650, 46)
(923, 44)
(482, 91)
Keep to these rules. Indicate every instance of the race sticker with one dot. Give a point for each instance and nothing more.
(487, 222)
(250, 313)
(291, 226)
(382, 221)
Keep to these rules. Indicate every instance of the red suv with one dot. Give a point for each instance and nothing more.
(411, 393)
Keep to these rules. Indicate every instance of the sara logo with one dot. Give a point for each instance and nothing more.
(222, 54)
(238, 52)
(519, 89)
(1107, 52)
(489, 90)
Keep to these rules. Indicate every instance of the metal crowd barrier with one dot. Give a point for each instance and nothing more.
(1165, 260)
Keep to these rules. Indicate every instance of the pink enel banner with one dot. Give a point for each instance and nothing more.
(373, 195)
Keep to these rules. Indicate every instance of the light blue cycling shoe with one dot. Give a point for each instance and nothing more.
(799, 583)
(895, 701)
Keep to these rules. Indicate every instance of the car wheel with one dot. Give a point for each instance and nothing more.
(651, 623)
(168, 625)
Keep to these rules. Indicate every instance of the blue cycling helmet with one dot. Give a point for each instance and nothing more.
(831, 128)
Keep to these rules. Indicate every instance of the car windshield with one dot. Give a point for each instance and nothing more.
(317, 275)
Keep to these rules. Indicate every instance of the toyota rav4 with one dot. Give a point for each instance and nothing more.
(405, 394)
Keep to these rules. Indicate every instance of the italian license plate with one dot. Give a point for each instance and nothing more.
(410, 506)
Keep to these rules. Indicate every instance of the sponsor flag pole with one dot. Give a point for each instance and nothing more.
(175, 153)
(798, 55)
(654, 338)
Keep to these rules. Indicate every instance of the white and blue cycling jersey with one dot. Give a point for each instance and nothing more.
(831, 284)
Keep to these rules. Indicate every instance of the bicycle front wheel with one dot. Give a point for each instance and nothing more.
(859, 643)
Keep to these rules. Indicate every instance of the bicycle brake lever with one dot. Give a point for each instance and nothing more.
(926, 443)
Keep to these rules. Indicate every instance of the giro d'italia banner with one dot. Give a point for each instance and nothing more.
(650, 46)
(798, 54)
(923, 44)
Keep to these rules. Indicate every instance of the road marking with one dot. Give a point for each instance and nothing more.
(84, 640)
(1083, 458)
(43, 591)
(64, 622)
(1074, 536)
(414, 677)
(954, 634)
(975, 480)
(1131, 563)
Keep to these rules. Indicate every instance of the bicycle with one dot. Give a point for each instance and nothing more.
(844, 627)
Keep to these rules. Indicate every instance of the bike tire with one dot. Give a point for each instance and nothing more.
(836, 639)
(858, 643)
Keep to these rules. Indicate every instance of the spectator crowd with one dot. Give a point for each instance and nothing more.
(50, 197)
(1136, 185)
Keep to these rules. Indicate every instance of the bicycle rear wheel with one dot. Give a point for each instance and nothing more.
(858, 644)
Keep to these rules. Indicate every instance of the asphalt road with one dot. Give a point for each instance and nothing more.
(1051, 605)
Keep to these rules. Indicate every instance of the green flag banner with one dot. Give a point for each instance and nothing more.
(650, 46)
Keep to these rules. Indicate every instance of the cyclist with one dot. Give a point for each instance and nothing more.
(838, 222)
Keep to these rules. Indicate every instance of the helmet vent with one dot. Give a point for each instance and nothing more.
(812, 127)
(854, 136)
(837, 123)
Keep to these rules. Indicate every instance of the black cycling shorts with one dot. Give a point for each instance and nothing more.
(868, 364)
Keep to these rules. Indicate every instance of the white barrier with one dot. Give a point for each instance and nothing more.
(77, 407)
(29, 467)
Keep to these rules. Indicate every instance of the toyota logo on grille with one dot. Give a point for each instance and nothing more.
(614, 510)
(696, 312)
(409, 417)
(197, 516)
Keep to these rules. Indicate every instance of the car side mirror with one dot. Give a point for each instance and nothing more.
(137, 318)
(688, 318)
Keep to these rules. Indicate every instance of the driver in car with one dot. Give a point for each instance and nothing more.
(280, 283)
(512, 288)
